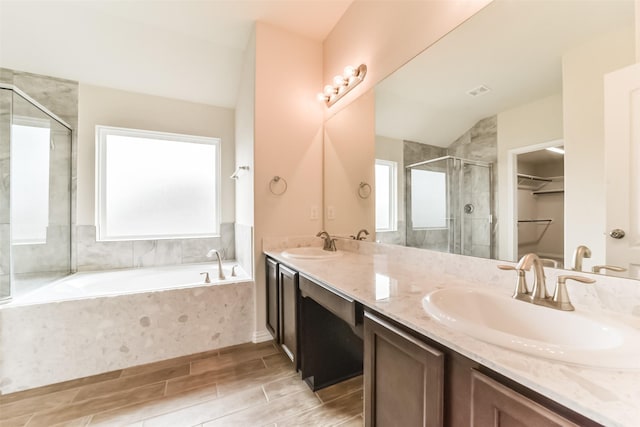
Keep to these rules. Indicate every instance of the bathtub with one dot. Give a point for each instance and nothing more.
(91, 323)
(128, 281)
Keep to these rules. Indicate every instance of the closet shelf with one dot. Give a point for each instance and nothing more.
(547, 192)
(532, 182)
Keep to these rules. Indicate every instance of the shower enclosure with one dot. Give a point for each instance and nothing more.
(449, 206)
(35, 196)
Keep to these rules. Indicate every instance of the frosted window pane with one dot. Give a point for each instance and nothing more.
(29, 184)
(158, 188)
(383, 197)
(428, 199)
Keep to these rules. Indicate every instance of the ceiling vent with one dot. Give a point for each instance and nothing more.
(477, 91)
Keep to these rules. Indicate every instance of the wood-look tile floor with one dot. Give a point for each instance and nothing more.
(247, 385)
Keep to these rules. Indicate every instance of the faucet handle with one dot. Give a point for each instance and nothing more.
(561, 296)
(206, 277)
(233, 270)
(522, 290)
(599, 268)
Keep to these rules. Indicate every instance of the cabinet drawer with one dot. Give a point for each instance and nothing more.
(497, 405)
(340, 305)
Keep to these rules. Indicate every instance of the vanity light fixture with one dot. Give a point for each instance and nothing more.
(556, 150)
(341, 85)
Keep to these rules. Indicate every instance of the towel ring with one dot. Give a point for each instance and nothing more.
(274, 181)
(364, 190)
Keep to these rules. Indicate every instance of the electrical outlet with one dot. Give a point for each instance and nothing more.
(331, 212)
(313, 214)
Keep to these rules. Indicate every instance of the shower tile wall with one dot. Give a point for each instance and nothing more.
(478, 143)
(94, 255)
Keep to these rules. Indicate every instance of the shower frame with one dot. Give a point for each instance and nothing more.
(17, 91)
(464, 161)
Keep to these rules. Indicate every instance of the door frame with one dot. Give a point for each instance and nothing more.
(511, 219)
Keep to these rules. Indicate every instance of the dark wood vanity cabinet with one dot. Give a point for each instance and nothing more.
(403, 378)
(273, 299)
(494, 404)
(282, 307)
(410, 380)
(288, 322)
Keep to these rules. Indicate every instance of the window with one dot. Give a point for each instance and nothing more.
(386, 199)
(428, 199)
(153, 185)
(30, 142)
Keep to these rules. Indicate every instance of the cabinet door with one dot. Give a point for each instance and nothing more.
(403, 378)
(493, 404)
(288, 281)
(272, 299)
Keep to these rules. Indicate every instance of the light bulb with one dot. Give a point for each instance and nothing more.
(329, 90)
(339, 81)
(322, 97)
(349, 71)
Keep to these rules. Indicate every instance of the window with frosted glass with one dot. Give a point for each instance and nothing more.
(30, 183)
(154, 185)
(428, 199)
(386, 202)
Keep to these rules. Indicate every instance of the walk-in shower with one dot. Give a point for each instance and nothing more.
(35, 193)
(449, 206)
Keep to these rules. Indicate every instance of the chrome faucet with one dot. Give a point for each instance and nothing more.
(329, 243)
(538, 295)
(579, 254)
(217, 253)
(360, 233)
(539, 290)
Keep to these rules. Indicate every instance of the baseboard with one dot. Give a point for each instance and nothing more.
(261, 336)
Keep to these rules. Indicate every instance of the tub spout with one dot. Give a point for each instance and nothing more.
(217, 253)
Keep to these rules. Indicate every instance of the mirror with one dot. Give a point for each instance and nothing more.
(469, 117)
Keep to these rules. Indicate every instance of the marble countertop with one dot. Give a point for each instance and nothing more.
(395, 285)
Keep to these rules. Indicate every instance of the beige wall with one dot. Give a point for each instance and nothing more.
(288, 141)
(349, 162)
(583, 69)
(245, 118)
(111, 107)
(535, 123)
(386, 35)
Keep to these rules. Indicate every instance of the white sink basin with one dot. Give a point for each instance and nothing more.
(310, 253)
(572, 337)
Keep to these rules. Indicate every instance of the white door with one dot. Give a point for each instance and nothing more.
(622, 168)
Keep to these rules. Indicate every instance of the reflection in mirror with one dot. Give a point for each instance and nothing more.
(516, 78)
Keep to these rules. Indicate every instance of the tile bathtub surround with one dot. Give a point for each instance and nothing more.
(94, 255)
(53, 342)
(252, 384)
(607, 396)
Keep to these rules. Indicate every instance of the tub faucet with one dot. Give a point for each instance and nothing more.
(360, 233)
(217, 253)
(579, 254)
(329, 243)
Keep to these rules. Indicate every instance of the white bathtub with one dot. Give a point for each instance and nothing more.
(120, 282)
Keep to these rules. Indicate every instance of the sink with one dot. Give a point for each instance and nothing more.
(310, 253)
(568, 336)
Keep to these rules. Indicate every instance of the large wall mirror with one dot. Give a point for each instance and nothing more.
(497, 136)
